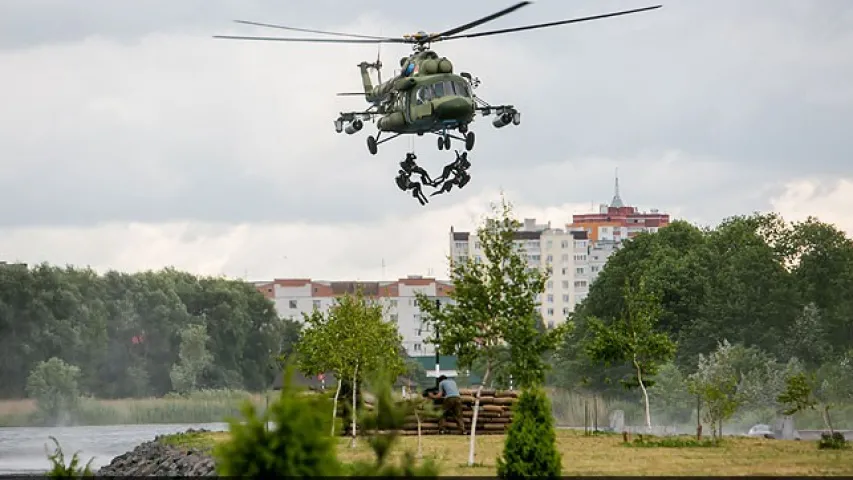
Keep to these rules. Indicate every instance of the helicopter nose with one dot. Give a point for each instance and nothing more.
(452, 108)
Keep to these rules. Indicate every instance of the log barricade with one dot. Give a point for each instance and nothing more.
(494, 418)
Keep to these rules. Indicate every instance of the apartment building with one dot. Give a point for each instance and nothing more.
(565, 251)
(618, 222)
(298, 296)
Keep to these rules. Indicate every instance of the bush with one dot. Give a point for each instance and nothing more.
(53, 384)
(531, 443)
(833, 441)
(297, 445)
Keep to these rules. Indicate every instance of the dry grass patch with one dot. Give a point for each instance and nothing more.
(607, 455)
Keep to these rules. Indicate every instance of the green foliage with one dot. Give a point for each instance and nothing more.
(633, 338)
(53, 384)
(72, 470)
(352, 339)
(297, 443)
(797, 395)
(351, 335)
(716, 383)
(194, 359)
(531, 443)
(672, 442)
(495, 306)
(123, 330)
(832, 441)
(384, 424)
(755, 280)
(186, 440)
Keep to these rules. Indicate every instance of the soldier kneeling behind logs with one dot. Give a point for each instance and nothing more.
(448, 392)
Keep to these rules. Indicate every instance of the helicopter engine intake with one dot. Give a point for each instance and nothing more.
(354, 126)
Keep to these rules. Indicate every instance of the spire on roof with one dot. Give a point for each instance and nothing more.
(617, 200)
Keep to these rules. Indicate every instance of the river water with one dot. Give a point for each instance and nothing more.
(22, 449)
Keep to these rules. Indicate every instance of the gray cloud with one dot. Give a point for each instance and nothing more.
(133, 114)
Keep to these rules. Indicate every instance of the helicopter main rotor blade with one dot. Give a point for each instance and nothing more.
(318, 40)
(475, 23)
(549, 24)
(307, 30)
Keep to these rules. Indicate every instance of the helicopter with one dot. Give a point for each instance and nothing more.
(425, 96)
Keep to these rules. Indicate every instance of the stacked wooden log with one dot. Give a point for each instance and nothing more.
(494, 417)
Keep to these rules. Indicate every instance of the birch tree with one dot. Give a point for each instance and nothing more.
(494, 306)
(353, 340)
(633, 339)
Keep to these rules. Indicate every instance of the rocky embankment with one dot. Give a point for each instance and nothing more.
(158, 459)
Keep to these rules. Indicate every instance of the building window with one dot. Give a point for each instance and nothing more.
(580, 284)
(550, 284)
(550, 258)
(394, 317)
(293, 304)
(393, 303)
(565, 271)
(579, 270)
(564, 244)
(565, 310)
(551, 312)
(417, 347)
(594, 269)
(565, 257)
(550, 298)
(550, 324)
(566, 297)
(317, 304)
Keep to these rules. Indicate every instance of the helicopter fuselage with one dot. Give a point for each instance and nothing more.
(428, 103)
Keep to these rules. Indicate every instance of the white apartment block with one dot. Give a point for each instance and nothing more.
(295, 297)
(574, 263)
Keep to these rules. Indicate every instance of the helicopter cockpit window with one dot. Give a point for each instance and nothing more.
(438, 89)
(422, 95)
(461, 89)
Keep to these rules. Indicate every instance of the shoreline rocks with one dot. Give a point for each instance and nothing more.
(154, 458)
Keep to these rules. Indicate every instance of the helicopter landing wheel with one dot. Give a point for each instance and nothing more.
(447, 142)
(469, 141)
(463, 128)
(440, 143)
(371, 144)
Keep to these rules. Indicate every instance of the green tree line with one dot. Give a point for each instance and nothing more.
(135, 335)
(780, 293)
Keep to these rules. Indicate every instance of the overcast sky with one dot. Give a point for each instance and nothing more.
(130, 139)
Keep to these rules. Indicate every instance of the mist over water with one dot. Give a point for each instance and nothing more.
(22, 449)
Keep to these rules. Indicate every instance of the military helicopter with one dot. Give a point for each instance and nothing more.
(425, 96)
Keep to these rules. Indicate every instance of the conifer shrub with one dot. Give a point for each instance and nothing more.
(531, 443)
(297, 444)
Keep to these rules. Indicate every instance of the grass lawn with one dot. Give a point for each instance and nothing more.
(606, 455)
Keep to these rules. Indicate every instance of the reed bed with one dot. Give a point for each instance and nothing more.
(198, 407)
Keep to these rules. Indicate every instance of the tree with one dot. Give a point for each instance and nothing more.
(352, 339)
(633, 339)
(194, 359)
(530, 449)
(53, 384)
(716, 383)
(494, 307)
